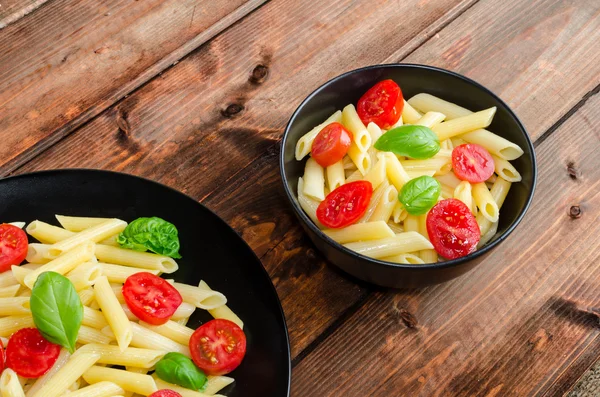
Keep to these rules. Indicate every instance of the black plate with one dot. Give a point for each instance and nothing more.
(211, 251)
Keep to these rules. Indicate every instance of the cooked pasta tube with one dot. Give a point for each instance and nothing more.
(222, 311)
(38, 253)
(495, 144)
(132, 356)
(79, 363)
(429, 103)
(399, 244)
(407, 259)
(79, 223)
(434, 164)
(411, 223)
(485, 202)
(148, 339)
(60, 362)
(64, 263)
(10, 291)
(409, 114)
(94, 234)
(172, 330)
(308, 204)
(385, 206)
(93, 318)
(360, 232)
(216, 383)
(119, 273)
(463, 192)
(85, 275)
(395, 172)
(314, 180)
(499, 191)
(199, 297)
(490, 232)
(46, 233)
(395, 227)
(130, 381)
(377, 173)
(161, 384)
(86, 296)
(375, 198)
(360, 136)
(460, 125)
(89, 335)
(399, 214)
(348, 164)
(304, 145)
(430, 119)
(10, 385)
(15, 306)
(375, 132)
(449, 180)
(506, 170)
(362, 160)
(10, 325)
(101, 389)
(7, 279)
(143, 260)
(335, 175)
(111, 308)
(428, 256)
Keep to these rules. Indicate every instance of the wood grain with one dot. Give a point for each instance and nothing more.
(72, 59)
(13, 10)
(182, 129)
(511, 326)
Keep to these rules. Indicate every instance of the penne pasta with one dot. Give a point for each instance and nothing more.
(361, 159)
(37, 253)
(221, 311)
(11, 324)
(60, 362)
(85, 275)
(142, 260)
(495, 144)
(429, 103)
(93, 318)
(79, 223)
(429, 255)
(201, 298)
(385, 206)
(308, 204)
(46, 233)
(409, 114)
(395, 171)
(314, 180)
(216, 383)
(506, 170)
(304, 145)
(103, 388)
(375, 198)
(15, 306)
(161, 384)
(395, 227)
(119, 273)
(461, 125)
(93, 234)
(138, 383)
(114, 314)
(131, 356)
(89, 335)
(430, 119)
(335, 175)
(10, 291)
(399, 214)
(463, 192)
(360, 136)
(10, 385)
(485, 202)
(148, 339)
(172, 330)
(407, 259)
(360, 232)
(399, 244)
(377, 173)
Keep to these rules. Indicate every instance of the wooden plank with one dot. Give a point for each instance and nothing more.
(72, 59)
(510, 327)
(177, 130)
(539, 56)
(13, 10)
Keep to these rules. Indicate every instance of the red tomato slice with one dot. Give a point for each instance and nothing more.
(151, 298)
(165, 393)
(345, 205)
(13, 246)
(452, 229)
(2, 358)
(471, 162)
(331, 144)
(218, 346)
(382, 104)
(29, 354)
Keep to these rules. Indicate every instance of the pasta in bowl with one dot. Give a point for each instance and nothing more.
(402, 185)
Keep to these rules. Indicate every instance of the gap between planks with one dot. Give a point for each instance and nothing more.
(139, 82)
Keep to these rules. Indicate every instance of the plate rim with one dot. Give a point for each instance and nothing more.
(185, 196)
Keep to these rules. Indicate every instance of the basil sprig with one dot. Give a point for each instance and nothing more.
(420, 194)
(154, 234)
(415, 141)
(180, 370)
(56, 309)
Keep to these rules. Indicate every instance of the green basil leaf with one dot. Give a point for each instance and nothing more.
(415, 141)
(56, 309)
(154, 234)
(420, 194)
(178, 369)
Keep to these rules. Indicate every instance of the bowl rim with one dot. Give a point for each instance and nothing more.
(416, 267)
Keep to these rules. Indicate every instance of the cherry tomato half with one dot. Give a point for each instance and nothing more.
(29, 354)
(382, 104)
(331, 144)
(2, 358)
(345, 205)
(151, 298)
(452, 229)
(218, 346)
(13, 246)
(471, 162)
(165, 393)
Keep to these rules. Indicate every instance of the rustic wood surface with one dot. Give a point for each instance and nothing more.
(89, 85)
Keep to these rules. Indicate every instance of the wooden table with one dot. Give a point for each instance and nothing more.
(195, 95)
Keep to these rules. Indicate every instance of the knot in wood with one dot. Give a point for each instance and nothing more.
(259, 74)
(232, 110)
(571, 170)
(407, 318)
(575, 212)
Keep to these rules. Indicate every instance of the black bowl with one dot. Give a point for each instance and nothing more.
(211, 251)
(413, 79)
